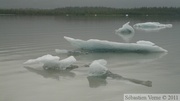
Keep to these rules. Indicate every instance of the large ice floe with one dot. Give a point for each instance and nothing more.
(151, 26)
(96, 45)
(126, 32)
(53, 62)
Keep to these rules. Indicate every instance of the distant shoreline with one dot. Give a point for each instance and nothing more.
(95, 11)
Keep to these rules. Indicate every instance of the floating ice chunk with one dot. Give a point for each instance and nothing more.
(63, 64)
(152, 25)
(150, 29)
(102, 62)
(125, 29)
(97, 68)
(52, 62)
(148, 26)
(43, 59)
(108, 46)
(126, 32)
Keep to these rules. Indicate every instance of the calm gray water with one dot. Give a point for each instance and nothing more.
(27, 37)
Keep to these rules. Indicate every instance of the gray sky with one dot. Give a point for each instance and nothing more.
(104, 3)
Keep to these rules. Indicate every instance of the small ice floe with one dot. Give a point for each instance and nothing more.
(126, 32)
(97, 68)
(108, 46)
(98, 72)
(53, 62)
(151, 26)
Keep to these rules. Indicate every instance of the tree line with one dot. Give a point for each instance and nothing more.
(96, 11)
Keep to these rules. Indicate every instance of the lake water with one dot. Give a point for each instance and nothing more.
(29, 37)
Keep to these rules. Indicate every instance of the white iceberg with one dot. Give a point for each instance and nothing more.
(151, 26)
(126, 32)
(97, 68)
(108, 46)
(52, 62)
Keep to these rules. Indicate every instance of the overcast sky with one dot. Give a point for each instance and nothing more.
(105, 3)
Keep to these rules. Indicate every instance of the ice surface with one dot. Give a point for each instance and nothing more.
(52, 62)
(108, 46)
(97, 68)
(145, 43)
(43, 59)
(63, 64)
(102, 62)
(148, 26)
(126, 32)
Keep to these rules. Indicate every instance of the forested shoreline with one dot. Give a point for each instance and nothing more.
(96, 11)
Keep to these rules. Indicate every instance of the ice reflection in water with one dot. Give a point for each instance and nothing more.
(53, 74)
(126, 36)
(97, 81)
